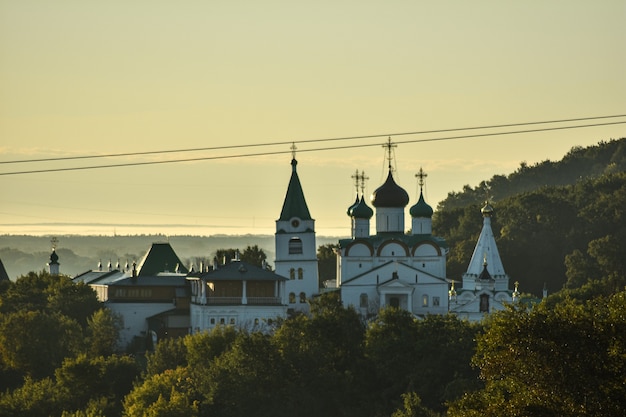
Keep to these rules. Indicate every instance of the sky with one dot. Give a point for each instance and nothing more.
(86, 78)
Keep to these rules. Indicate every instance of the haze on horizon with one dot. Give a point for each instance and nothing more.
(91, 78)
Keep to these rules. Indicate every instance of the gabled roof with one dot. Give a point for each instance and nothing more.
(173, 280)
(240, 271)
(3, 272)
(295, 204)
(160, 258)
(398, 265)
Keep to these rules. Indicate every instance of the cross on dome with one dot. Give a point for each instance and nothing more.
(363, 178)
(293, 150)
(389, 145)
(421, 175)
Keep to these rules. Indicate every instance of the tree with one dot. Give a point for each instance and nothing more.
(34, 398)
(171, 393)
(36, 343)
(428, 357)
(248, 379)
(103, 332)
(327, 262)
(102, 380)
(253, 255)
(413, 407)
(324, 354)
(168, 354)
(225, 256)
(564, 359)
(74, 300)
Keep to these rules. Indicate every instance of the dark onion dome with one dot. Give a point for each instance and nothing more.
(356, 203)
(54, 257)
(390, 194)
(421, 208)
(487, 211)
(362, 210)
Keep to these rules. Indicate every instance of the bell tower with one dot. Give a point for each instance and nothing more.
(296, 250)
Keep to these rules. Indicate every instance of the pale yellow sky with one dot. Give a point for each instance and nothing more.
(90, 77)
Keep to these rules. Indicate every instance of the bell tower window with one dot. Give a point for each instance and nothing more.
(295, 246)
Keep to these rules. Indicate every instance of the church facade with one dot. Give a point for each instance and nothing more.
(390, 267)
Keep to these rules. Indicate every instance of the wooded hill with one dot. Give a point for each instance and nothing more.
(556, 223)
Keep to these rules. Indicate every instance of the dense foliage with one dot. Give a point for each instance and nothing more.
(564, 359)
(58, 350)
(330, 363)
(548, 235)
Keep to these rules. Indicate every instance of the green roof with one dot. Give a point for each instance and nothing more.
(160, 258)
(409, 240)
(239, 271)
(295, 204)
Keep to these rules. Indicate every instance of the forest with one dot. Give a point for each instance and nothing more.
(558, 224)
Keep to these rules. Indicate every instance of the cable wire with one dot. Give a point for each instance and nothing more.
(129, 164)
(423, 132)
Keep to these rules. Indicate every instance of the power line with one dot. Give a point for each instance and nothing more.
(129, 164)
(213, 148)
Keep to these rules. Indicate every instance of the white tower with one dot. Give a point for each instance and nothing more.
(296, 250)
(53, 265)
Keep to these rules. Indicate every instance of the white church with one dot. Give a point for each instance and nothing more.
(393, 267)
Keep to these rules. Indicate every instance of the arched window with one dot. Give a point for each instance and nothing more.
(363, 300)
(292, 273)
(295, 246)
(425, 300)
(302, 297)
(292, 298)
(300, 273)
(484, 303)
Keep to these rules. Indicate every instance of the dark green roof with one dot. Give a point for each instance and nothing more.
(421, 208)
(239, 271)
(362, 210)
(295, 204)
(390, 194)
(409, 240)
(160, 258)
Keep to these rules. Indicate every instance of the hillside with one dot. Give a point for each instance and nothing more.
(556, 223)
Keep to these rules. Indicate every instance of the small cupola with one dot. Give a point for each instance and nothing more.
(421, 208)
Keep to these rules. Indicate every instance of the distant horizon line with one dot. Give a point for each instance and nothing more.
(112, 230)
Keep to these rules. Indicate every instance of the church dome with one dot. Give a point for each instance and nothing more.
(362, 210)
(390, 194)
(487, 211)
(54, 257)
(421, 208)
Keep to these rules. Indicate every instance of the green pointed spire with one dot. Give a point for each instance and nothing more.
(295, 204)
